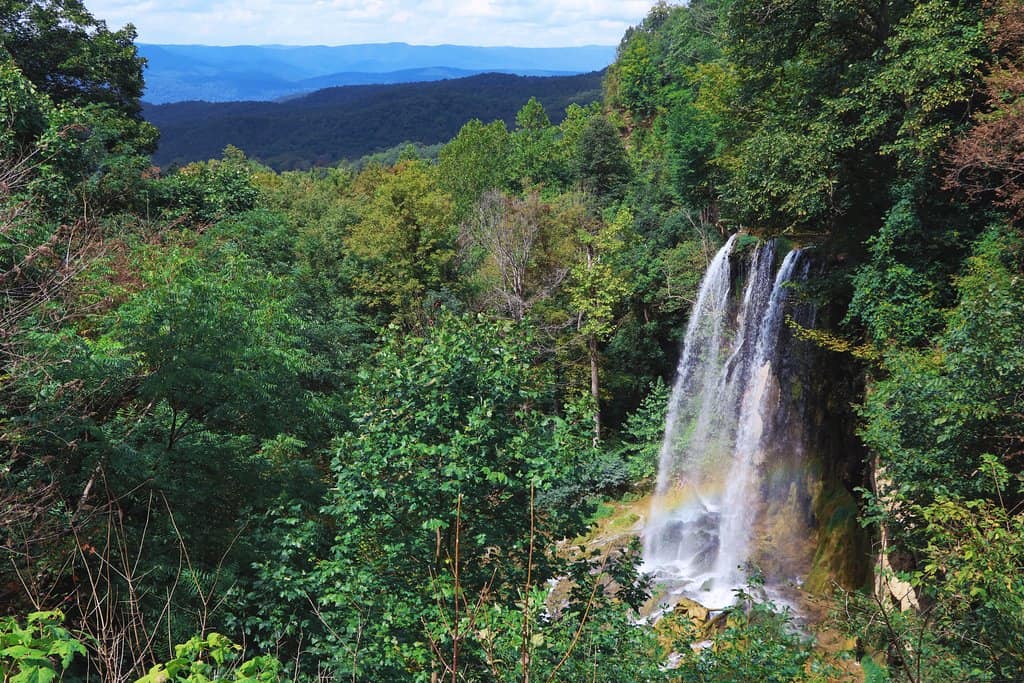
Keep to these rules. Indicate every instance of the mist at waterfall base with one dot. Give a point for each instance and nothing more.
(728, 493)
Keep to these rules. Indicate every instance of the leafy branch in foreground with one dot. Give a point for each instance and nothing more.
(38, 652)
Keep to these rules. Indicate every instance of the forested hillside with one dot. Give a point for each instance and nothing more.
(346, 123)
(361, 422)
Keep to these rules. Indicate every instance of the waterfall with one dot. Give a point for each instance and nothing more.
(710, 490)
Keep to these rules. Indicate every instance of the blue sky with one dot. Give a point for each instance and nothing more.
(527, 23)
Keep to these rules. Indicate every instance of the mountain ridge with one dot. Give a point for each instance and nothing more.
(348, 122)
(177, 73)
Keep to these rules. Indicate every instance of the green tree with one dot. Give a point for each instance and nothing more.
(478, 159)
(93, 76)
(597, 287)
(435, 481)
(945, 421)
(211, 190)
(638, 76)
(534, 160)
(403, 242)
(655, 58)
(601, 164)
(72, 56)
(25, 113)
(217, 347)
(841, 107)
(693, 145)
(532, 117)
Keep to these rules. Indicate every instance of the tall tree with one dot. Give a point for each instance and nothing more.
(988, 162)
(403, 242)
(597, 287)
(533, 147)
(602, 167)
(478, 159)
(72, 56)
(520, 250)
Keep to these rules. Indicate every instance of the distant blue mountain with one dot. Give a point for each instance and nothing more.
(178, 73)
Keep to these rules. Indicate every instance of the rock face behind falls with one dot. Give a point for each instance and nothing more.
(757, 462)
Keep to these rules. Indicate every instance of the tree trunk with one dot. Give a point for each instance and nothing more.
(595, 389)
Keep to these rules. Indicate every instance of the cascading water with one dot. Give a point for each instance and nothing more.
(710, 491)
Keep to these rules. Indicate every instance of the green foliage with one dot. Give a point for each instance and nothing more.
(639, 77)
(898, 304)
(652, 66)
(834, 100)
(532, 117)
(93, 77)
(265, 236)
(25, 111)
(212, 660)
(932, 67)
(909, 646)
(217, 346)
(39, 652)
(570, 130)
(437, 477)
(533, 159)
(403, 242)
(830, 121)
(476, 160)
(786, 178)
(601, 166)
(971, 628)
(596, 284)
(941, 408)
(63, 155)
(213, 190)
(973, 552)
(405, 151)
(934, 420)
(692, 146)
(72, 56)
(873, 673)
(232, 380)
(642, 434)
(757, 644)
(590, 630)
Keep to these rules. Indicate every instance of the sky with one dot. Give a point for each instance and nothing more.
(523, 23)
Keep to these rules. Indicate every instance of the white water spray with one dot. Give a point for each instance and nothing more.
(709, 491)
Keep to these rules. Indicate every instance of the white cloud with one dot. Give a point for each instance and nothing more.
(528, 23)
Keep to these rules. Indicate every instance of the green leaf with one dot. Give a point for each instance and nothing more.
(34, 674)
(21, 652)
